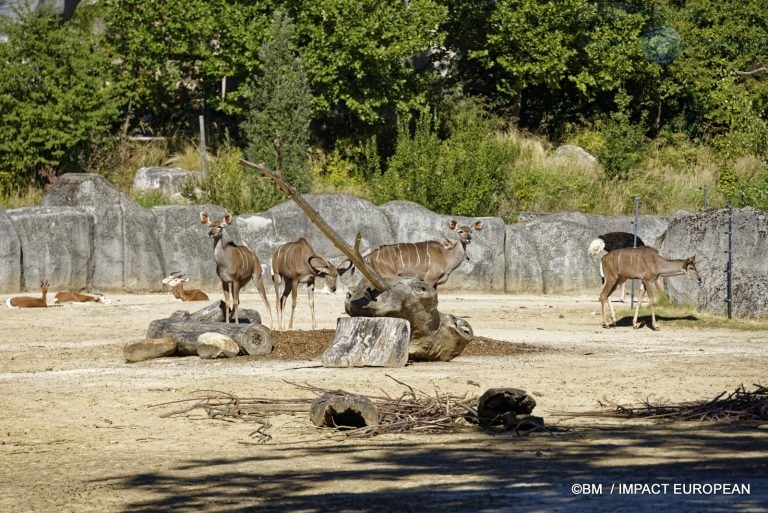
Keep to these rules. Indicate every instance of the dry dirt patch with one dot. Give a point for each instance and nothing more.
(81, 430)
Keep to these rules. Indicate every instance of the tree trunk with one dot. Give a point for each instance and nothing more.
(253, 339)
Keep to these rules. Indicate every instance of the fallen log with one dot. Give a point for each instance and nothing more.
(215, 313)
(253, 339)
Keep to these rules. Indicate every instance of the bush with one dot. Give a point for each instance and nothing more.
(624, 147)
(461, 173)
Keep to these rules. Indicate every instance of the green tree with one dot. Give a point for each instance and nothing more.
(179, 57)
(360, 57)
(57, 98)
(281, 107)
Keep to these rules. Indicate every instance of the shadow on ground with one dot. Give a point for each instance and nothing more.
(475, 472)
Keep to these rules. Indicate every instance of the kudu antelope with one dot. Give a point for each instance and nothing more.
(612, 241)
(76, 297)
(176, 281)
(235, 265)
(643, 263)
(295, 263)
(430, 261)
(30, 302)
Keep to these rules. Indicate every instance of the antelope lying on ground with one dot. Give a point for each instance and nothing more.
(30, 302)
(76, 297)
(176, 282)
(235, 265)
(430, 261)
(296, 262)
(645, 264)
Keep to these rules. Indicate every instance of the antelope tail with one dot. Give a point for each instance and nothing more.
(596, 246)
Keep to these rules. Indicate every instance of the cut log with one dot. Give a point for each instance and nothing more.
(343, 410)
(434, 336)
(253, 339)
(368, 342)
(215, 313)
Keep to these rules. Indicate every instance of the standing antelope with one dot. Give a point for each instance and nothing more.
(296, 262)
(235, 265)
(30, 302)
(612, 241)
(429, 261)
(176, 281)
(645, 264)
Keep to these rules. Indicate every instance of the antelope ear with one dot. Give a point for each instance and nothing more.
(453, 224)
(228, 218)
(343, 267)
(448, 243)
(478, 225)
(204, 218)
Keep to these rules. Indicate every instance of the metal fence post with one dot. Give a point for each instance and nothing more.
(729, 265)
(634, 245)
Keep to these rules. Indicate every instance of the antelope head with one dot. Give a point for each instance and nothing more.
(689, 267)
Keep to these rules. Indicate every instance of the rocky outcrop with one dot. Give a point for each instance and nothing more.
(705, 236)
(126, 249)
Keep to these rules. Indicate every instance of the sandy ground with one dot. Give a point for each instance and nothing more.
(83, 431)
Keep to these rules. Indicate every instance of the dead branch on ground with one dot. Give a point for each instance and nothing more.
(739, 405)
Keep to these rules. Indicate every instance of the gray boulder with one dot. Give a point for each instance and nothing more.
(168, 180)
(127, 254)
(705, 236)
(10, 255)
(556, 246)
(57, 246)
(575, 154)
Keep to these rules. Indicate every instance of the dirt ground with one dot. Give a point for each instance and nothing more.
(83, 431)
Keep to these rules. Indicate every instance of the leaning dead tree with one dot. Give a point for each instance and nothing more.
(435, 336)
(754, 72)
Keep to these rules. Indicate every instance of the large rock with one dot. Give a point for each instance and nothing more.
(555, 245)
(10, 255)
(168, 180)
(705, 236)
(127, 253)
(185, 244)
(56, 244)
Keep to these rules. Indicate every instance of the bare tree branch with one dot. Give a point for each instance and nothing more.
(758, 71)
(373, 278)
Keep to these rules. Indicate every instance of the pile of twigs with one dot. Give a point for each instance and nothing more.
(739, 405)
(414, 410)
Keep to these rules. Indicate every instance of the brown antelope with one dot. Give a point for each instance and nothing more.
(176, 282)
(429, 261)
(643, 263)
(235, 265)
(612, 241)
(76, 297)
(296, 262)
(30, 302)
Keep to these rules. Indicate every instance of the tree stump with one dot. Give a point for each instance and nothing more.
(253, 339)
(343, 410)
(502, 405)
(434, 336)
(368, 342)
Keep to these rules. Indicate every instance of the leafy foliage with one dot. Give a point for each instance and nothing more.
(462, 173)
(56, 98)
(280, 108)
